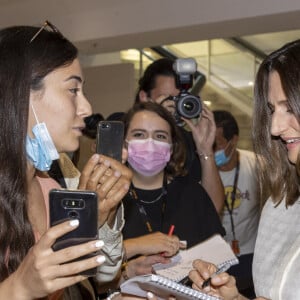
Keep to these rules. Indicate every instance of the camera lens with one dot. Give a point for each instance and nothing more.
(189, 106)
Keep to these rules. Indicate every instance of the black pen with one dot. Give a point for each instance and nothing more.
(219, 271)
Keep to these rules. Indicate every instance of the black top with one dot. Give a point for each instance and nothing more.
(188, 207)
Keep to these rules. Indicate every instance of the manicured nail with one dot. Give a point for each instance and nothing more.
(95, 157)
(117, 174)
(107, 163)
(74, 223)
(150, 295)
(217, 280)
(99, 244)
(100, 259)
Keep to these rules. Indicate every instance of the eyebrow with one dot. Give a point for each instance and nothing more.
(155, 131)
(77, 78)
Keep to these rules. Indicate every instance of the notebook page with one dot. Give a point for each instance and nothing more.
(214, 249)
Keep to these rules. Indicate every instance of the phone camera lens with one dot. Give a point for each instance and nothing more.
(73, 214)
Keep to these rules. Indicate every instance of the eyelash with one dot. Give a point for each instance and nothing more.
(74, 91)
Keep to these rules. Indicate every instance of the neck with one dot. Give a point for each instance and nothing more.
(148, 182)
(231, 164)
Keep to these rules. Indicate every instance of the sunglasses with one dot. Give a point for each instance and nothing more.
(45, 25)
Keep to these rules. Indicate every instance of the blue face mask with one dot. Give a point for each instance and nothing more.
(221, 158)
(41, 150)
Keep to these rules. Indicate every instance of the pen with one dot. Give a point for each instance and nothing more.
(219, 271)
(171, 230)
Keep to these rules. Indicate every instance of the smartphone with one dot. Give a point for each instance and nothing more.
(75, 204)
(109, 142)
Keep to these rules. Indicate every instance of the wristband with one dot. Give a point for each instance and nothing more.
(205, 156)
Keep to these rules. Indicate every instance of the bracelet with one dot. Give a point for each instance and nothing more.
(205, 156)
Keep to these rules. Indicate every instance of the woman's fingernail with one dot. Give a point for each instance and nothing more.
(95, 157)
(217, 280)
(74, 223)
(100, 259)
(107, 163)
(117, 174)
(99, 244)
(150, 295)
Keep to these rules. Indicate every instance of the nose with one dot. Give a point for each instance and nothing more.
(84, 107)
(278, 124)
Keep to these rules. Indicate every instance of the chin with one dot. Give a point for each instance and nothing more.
(71, 147)
(292, 159)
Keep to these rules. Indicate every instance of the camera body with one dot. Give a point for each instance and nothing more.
(187, 105)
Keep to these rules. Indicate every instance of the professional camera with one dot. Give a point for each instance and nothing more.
(187, 105)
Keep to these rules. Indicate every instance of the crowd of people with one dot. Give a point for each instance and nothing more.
(195, 181)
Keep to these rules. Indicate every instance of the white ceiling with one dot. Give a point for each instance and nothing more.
(98, 26)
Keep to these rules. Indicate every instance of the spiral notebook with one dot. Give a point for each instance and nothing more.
(162, 288)
(215, 250)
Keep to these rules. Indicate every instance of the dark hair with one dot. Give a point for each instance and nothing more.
(227, 121)
(23, 66)
(276, 173)
(116, 116)
(91, 123)
(175, 166)
(160, 67)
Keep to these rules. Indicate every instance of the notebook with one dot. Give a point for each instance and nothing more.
(162, 288)
(215, 250)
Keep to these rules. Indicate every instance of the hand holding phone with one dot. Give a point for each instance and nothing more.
(75, 204)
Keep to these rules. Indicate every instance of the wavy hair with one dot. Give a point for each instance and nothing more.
(276, 174)
(175, 166)
(23, 65)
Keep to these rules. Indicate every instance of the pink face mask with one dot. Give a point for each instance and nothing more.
(148, 157)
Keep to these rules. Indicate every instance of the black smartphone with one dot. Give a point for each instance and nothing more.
(110, 135)
(75, 204)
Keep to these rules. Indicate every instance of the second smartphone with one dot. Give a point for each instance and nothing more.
(110, 135)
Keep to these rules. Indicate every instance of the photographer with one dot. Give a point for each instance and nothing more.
(159, 83)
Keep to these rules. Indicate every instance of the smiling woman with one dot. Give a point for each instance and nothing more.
(276, 133)
(42, 111)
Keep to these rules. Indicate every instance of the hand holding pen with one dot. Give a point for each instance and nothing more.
(220, 270)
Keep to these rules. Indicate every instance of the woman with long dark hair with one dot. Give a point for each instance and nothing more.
(42, 111)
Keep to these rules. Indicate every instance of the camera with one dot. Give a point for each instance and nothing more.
(187, 105)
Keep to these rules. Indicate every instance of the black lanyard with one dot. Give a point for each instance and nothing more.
(233, 195)
(141, 207)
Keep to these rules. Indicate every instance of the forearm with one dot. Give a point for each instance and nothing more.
(212, 182)
(131, 248)
(9, 289)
